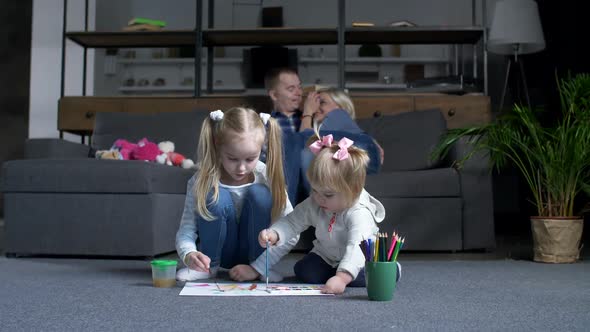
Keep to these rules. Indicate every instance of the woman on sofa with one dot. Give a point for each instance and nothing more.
(332, 109)
(232, 197)
(329, 110)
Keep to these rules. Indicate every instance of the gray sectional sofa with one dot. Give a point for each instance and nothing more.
(59, 201)
(434, 204)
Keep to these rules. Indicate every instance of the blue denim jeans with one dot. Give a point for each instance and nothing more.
(292, 147)
(229, 241)
(312, 269)
(306, 158)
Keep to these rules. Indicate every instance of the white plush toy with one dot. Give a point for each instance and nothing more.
(171, 158)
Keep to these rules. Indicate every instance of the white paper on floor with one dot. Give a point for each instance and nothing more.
(249, 289)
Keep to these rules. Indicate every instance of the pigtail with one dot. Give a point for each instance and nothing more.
(359, 160)
(209, 175)
(274, 169)
(346, 174)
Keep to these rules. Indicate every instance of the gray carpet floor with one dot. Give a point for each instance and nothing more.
(438, 292)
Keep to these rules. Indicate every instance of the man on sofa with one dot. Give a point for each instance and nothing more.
(284, 89)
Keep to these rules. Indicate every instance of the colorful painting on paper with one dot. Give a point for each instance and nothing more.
(249, 289)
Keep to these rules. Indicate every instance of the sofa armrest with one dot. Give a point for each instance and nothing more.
(54, 148)
(476, 191)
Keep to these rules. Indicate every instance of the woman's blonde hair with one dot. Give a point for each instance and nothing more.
(344, 176)
(341, 98)
(214, 133)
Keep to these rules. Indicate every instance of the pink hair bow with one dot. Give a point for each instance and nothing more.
(342, 153)
(327, 140)
(316, 146)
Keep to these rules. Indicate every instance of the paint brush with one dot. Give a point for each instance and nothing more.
(266, 269)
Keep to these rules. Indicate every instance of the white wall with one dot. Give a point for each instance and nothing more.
(46, 63)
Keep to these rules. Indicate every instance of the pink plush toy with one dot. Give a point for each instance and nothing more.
(145, 150)
(124, 147)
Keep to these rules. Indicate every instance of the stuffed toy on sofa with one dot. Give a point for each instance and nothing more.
(171, 158)
(125, 150)
(145, 150)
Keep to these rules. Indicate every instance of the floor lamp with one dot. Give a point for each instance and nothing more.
(515, 30)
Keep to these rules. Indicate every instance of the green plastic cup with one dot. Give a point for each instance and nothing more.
(380, 280)
(164, 273)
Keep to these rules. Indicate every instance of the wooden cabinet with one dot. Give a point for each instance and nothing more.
(459, 111)
(76, 114)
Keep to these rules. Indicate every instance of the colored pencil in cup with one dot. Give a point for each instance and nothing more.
(378, 245)
(393, 243)
(383, 248)
(397, 248)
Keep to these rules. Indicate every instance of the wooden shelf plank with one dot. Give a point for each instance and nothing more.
(375, 60)
(279, 36)
(414, 35)
(270, 36)
(130, 39)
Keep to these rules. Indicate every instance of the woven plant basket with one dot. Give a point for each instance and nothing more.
(556, 239)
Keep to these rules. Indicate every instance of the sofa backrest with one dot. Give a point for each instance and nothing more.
(181, 128)
(407, 138)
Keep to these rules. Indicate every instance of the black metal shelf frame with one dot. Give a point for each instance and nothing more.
(340, 36)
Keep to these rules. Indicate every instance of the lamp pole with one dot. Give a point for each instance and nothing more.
(516, 48)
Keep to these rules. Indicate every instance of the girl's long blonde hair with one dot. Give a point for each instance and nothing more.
(214, 133)
(344, 176)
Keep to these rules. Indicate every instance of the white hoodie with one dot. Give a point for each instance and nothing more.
(340, 247)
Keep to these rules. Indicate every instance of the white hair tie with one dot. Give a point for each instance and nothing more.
(216, 116)
(264, 117)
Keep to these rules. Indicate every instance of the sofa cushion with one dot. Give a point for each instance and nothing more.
(181, 128)
(407, 138)
(38, 148)
(438, 182)
(93, 176)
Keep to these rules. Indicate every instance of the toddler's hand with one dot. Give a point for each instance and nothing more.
(267, 234)
(243, 272)
(198, 261)
(334, 285)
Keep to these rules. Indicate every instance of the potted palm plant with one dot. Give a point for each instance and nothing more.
(553, 160)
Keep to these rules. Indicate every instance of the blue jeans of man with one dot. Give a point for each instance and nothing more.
(229, 240)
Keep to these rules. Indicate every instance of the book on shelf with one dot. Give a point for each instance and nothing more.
(142, 20)
(317, 87)
(362, 24)
(142, 27)
(314, 87)
(400, 24)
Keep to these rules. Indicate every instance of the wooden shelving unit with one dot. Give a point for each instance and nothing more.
(278, 36)
(203, 40)
(458, 35)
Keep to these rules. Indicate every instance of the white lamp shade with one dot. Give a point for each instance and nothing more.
(516, 28)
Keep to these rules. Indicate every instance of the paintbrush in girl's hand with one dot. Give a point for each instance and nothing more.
(266, 269)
